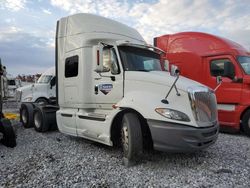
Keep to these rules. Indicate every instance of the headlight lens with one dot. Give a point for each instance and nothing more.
(172, 114)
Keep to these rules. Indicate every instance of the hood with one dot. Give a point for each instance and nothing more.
(161, 78)
(24, 87)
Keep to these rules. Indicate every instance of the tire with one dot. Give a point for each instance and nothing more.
(9, 136)
(40, 123)
(42, 101)
(26, 115)
(246, 123)
(131, 138)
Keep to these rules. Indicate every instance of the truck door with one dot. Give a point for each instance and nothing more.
(229, 93)
(108, 88)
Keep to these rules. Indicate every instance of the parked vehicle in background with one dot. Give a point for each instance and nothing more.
(7, 133)
(205, 57)
(40, 92)
(4, 82)
(111, 89)
(13, 84)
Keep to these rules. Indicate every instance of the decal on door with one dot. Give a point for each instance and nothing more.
(105, 88)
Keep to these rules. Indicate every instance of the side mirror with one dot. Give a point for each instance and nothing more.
(98, 57)
(229, 70)
(101, 69)
(174, 70)
(166, 65)
(52, 82)
(218, 80)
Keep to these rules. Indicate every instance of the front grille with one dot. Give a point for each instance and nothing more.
(204, 105)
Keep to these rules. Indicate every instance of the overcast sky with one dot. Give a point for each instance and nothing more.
(27, 27)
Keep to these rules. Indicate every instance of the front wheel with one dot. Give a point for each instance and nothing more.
(131, 138)
(246, 123)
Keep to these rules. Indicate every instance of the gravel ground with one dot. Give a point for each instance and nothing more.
(56, 160)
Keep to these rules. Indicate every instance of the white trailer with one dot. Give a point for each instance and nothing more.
(111, 88)
(40, 92)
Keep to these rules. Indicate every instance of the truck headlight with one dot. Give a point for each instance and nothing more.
(172, 114)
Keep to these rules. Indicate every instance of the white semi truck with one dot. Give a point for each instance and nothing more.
(40, 92)
(13, 84)
(112, 89)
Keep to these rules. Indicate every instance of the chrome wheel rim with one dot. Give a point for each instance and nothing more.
(24, 116)
(37, 120)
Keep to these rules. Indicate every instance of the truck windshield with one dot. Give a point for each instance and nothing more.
(11, 82)
(139, 59)
(245, 63)
(44, 79)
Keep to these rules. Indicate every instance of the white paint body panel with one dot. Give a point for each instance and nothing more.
(141, 91)
(145, 90)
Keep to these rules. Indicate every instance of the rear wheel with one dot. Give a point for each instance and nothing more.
(131, 138)
(40, 124)
(26, 115)
(9, 136)
(246, 123)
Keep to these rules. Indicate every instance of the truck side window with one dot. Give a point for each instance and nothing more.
(71, 66)
(217, 67)
(110, 60)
